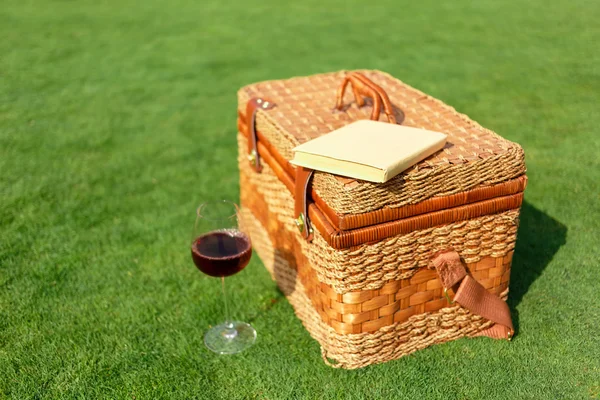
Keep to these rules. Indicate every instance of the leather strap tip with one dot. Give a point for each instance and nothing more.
(510, 334)
(307, 233)
(254, 161)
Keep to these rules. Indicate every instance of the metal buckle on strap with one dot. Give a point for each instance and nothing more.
(252, 157)
(301, 223)
(263, 104)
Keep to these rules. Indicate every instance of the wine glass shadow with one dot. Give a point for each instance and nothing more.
(538, 239)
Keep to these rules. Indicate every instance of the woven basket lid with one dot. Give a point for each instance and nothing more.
(473, 156)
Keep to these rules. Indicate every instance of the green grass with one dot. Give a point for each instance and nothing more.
(118, 117)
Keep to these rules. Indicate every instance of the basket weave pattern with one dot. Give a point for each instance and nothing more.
(360, 327)
(352, 351)
(372, 266)
(363, 284)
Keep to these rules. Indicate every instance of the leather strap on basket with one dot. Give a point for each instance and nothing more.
(252, 107)
(363, 86)
(472, 295)
(301, 192)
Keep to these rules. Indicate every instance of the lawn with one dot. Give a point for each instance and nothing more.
(118, 117)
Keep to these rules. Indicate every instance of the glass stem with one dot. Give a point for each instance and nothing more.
(229, 332)
(228, 321)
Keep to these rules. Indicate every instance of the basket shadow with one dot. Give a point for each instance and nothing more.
(539, 238)
(284, 277)
(284, 271)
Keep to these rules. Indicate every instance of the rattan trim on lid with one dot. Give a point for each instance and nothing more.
(474, 156)
(371, 266)
(274, 182)
(286, 172)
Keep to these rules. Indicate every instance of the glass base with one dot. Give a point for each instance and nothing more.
(230, 337)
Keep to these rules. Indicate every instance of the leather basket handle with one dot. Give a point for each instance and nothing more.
(363, 86)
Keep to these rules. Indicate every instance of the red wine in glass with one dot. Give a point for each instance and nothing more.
(222, 253)
(221, 248)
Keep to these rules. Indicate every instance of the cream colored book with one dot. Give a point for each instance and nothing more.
(369, 150)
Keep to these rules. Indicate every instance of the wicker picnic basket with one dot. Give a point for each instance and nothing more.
(377, 271)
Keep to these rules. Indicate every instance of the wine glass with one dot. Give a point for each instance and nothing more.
(220, 248)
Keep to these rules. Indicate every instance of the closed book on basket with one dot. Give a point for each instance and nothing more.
(369, 150)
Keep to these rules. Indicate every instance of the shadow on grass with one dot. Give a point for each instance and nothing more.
(284, 276)
(539, 238)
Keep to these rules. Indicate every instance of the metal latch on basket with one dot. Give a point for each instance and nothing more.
(252, 107)
(301, 192)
